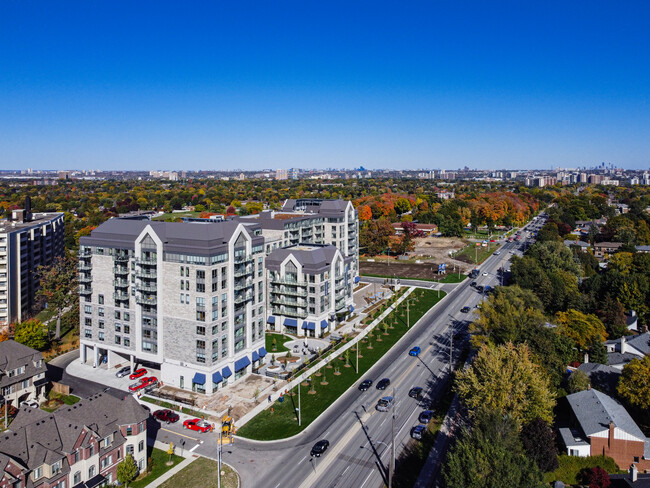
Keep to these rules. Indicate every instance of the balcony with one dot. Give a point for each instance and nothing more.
(84, 278)
(243, 258)
(145, 286)
(297, 292)
(120, 296)
(243, 297)
(84, 291)
(121, 258)
(85, 253)
(298, 313)
(280, 281)
(243, 284)
(243, 271)
(84, 266)
(148, 261)
(287, 301)
(142, 299)
(121, 283)
(121, 270)
(147, 274)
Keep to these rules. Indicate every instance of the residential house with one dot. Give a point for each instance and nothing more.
(581, 245)
(623, 350)
(604, 250)
(78, 445)
(601, 426)
(22, 373)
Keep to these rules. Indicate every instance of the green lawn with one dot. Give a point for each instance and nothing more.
(280, 339)
(570, 466)
(470, 253)
(450, 278)
(173, 216)
(283, 423)
(157, 467)
(453, 278)
(202, 473)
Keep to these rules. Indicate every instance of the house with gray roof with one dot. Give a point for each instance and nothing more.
(22, 373)
(601, 426)
(309, 288)
(623, 350)
(581, 245)
(78, 445)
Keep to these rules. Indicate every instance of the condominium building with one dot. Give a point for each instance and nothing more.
(78, 445)
(187, 297)
(309, 286)
(26, 241)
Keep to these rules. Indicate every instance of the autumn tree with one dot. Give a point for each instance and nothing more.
(505, 378)
(365, 213)
(32, 334)
(374, 236)
(578, 381)
(634, 385)
(581, 328)
(595, 477)
(58, 287)
(402, 205)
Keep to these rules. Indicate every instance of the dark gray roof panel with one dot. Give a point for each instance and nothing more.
(313, 258)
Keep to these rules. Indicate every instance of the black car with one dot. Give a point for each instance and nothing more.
(473, 284)
(383, 383)
(425, 417)
(319, 448)
(479, 288)
(465, 309)
(416, 392)
(365, 384)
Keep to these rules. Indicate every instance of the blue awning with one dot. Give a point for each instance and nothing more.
(256, 357)
(324, 324)
(216, 377)
(271, 319)
(309, 326)
(226, 372)
(291, 322)
(351, 308)
(357, 279)
(262, 352)
(199, 379)
(242, 363)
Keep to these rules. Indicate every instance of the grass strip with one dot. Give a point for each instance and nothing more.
(156, 467)
(202, 473)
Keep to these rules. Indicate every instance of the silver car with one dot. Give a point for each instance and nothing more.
(122, 372)
(384, 404)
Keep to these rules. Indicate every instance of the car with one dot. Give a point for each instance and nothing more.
(136, 386)
(122, 372)
(137, 373)
(166, 415)
(473, 284)
(465, 309)
(485, 273)
(198, 425)
(418, 431)
(479, 288)
(319, 448)
(384, 404)
(416, 392)
(30, 404)
(415, 351)
(150, 380)
(383, 383)
(425, 416)
(365, 384)
(496, 253)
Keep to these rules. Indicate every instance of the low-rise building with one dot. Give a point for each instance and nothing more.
(76, 446)
(604, 250)
(22, 373)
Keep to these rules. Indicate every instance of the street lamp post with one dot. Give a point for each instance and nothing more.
(219, 460)
(391, 465)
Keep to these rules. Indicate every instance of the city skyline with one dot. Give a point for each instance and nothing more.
(498, 86)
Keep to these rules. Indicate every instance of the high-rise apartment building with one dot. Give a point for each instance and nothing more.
(26, 241)
(188, 297)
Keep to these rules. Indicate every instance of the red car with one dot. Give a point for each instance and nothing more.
(151, 380)
(199, 425)
(166, 416)
(137, 373)
(136, 386)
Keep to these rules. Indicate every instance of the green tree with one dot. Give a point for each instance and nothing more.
(32, 334)
(538, 440)
(402, 205)
(582, 329)
(127, 470)
(489, 456)
(58, 287)
(578, 381)
(504, 378)
(554, 255)
(634, 385)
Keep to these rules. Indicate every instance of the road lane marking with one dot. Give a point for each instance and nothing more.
(177, 433)
(366, 480)
(192, 450)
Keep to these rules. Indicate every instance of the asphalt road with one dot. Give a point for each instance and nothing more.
(359, 436)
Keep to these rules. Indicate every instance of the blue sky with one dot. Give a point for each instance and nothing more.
(251, 85)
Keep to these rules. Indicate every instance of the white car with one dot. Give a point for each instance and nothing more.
(496, 253)
(485, 273)
(31, 404)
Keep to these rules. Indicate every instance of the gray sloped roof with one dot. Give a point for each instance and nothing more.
(640, 342)
(313, 258)
(620, 358)
(595, 410)
(12, 355)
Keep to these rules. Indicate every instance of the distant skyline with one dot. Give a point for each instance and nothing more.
(257, 85)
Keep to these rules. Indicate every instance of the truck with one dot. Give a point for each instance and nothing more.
(474, 273)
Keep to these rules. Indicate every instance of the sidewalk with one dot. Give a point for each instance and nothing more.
(189, 459)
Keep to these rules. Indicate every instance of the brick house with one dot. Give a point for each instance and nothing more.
(22, 373)
(76, 446)
(601, 426)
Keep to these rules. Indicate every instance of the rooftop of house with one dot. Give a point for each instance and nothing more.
(13, 355)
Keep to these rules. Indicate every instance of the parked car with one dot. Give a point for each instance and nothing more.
(416, 392)
(384, 404)
(319, 448)
(418, 431)
(383, 383)
(479, 288)
(166, 415)
(150, 380)
(122, 372)
(30, 404)
(425, 416)
(136, 386)
(137, 373)
(365, 384)
(198, 425)
(415, 351)
(465, 309)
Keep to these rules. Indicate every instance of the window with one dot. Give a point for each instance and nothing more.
(88, 322)
(129, 449)
(129, 431)
(100, 324)
(100, 311)
(106, 462)
(182, 270)
(182, 297)
(200, 330)
(127, 316)
(117, 314)
(91, 450)
(127, 342)
(141, 446)
(200, 316)
(38, 472)
(200, 274)
(200, 287)
(56, 468)
(215, 314)
(77, 477)
(76, 456)
(91, 471)
(100, 299)
(88, 309)
(141, 464)
(118, 340)
(215, 286)
(88, 333)
(24, 384)
(118, 328)
(100, 336)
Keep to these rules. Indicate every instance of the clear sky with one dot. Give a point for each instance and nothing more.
(315, 84)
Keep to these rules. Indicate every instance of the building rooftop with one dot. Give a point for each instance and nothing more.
(37, 219)
(314, 258)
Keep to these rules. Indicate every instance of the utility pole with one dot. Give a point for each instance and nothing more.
(299, 412)
(476, 255)
(219, 460)
(391, 462)
(357, 357)
(451, 348)
(408, 316)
